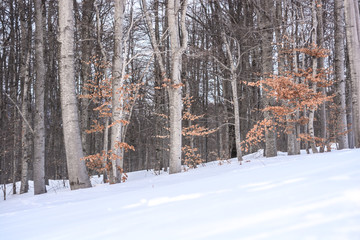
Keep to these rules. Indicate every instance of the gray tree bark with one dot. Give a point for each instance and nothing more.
(353, 46)
(117, 98)
(177, 48)
(293, 142)
(26, 136)
(160, 75)
(39, 138)
(297, 114)
(78, 176)
(314, 71)
(321, 65)
(234, 65)
(340, 71)
(86, 47)
(267, 67)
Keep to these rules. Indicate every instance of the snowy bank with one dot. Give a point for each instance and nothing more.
(286, 197)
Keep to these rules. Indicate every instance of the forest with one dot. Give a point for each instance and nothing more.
(101, 87)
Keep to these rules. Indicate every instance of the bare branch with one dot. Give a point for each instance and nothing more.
(22, 115)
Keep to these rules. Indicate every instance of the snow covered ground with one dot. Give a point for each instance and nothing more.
(288, 197)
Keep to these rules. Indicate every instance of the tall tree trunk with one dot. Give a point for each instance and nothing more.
(314, 71)
(297, 114)
(26, 101)
(39, 138)
(86, 47)
(237, 118)
(293, 142)
(161, 74)
(321, 65)
(340, 71)
(159, 96)
(353, 47)
(78, 176)
(175, 92)
(267, 67)
(349, 106)
(233, 79)
(117, 98)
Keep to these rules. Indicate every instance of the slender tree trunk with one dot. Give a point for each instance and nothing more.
(314, 72)
(175, 92)
(106, 149)
(219, 133)
(26, 135)
(191, 137)
(117, 98)
(160, 94)
(226, 113)
(353, 47)
(298, 132)
(15, 161)
(86, 47)
(39, 138)
(233, 79)
(340, 71)
(237, 118)
(267, 66)
(226, 131)
(321, 65)
(296, 126)
(304, 111)
(26, 101)
(349, 109)
(160, 75)
(78, 176)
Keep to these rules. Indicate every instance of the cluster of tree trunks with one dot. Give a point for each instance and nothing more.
(212, 52)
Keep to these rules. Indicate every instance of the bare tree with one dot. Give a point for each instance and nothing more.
(234, 65)
(340, 71)
(159, 72)
(267, 67)
(178, 45)
(321, 65)
(39, 137)
(177, 48)
(353, 47)
(117, 99)
(314, 71)
(78, 176)
(27, 132)
(86, 47)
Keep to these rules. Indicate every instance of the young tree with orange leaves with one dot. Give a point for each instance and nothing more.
(290, 96)
(100, 93)
(191, 156)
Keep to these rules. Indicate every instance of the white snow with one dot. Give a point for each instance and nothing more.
(303, 197)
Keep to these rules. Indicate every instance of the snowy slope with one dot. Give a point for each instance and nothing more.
(287, 197)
